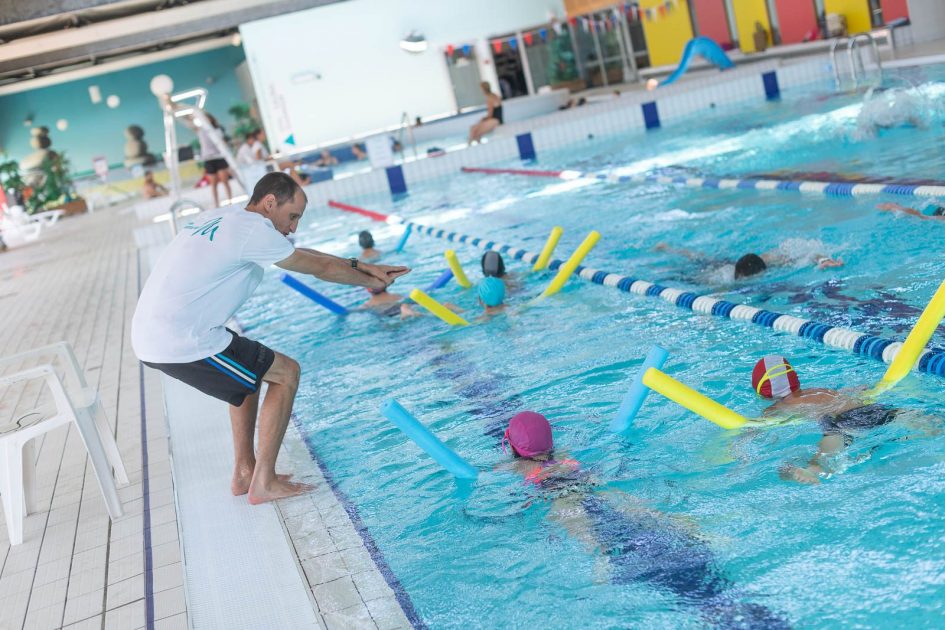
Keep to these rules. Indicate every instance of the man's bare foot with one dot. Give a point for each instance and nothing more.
(241, 481)
(800, 475)
(278, 489)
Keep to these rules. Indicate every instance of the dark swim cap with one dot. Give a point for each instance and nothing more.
(365, 240)
(939, 211)
(749, 265)
(493, 265)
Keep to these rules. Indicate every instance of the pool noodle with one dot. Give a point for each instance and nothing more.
(441, 281)
(443, 455)
(568, 268)
(403, 239)
(548, 249)
(437, 309)
(635, 396)
(915, 342)
(692, 400)
(314, 295)
(461, 278)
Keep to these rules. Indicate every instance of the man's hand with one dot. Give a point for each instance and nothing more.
(385, 273)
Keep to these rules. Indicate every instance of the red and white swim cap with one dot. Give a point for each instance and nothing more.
(773, 377)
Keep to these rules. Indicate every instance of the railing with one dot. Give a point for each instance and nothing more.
(857, 67)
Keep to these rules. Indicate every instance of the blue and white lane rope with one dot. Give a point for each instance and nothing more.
(879, 348)
(830, 189)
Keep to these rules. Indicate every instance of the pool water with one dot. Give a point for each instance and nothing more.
(687, 525)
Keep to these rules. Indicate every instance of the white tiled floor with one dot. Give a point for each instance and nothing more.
(76, 568)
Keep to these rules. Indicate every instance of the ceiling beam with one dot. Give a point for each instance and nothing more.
(154, 27)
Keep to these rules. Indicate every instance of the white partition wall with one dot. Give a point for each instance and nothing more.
(333, 71)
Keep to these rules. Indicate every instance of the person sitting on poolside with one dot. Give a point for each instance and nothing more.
(326, 159)
(791, 252)
(931, 210)
(842, 415)
(366, 241)
(359, 152)
(152, 189)
(493, 117)
(491, 296)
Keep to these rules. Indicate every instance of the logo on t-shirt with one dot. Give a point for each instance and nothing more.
(207, 229)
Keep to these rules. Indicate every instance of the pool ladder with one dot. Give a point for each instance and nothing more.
(857, 67)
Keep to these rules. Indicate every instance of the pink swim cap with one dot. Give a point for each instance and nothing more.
(529, 434)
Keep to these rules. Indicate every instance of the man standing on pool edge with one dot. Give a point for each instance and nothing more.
(202, 278)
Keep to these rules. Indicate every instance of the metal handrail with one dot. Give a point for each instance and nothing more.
(180, 203)
(857, 67)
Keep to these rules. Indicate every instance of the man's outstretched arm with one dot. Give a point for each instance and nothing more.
(334, 269)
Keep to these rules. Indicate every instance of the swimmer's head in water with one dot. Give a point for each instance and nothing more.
(492, 291)
(749, 265)
(493, 265)
(529, 435)
(773, 377)
(933, 209)
(365, 240)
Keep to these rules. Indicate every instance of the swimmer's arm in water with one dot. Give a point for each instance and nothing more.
(663, 246)
(817, 465)
(776, 258)
(895, 207)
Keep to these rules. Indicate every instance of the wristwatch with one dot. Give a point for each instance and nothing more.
(354, 262)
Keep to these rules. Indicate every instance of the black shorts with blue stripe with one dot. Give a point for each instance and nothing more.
(231, 375)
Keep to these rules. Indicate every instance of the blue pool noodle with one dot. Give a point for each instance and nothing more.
(403, 239)
(314, 295)
(445, 277)
(427, 441)
(632, 402)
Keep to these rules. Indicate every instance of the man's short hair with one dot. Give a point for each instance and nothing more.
(278, 184)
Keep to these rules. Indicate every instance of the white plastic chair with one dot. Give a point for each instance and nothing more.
(82, 406)
(15, 222)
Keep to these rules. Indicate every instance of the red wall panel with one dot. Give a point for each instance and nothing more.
(796, 19)
(894, 9)
(711, 20)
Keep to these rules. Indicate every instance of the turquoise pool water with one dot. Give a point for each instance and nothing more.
(688, 525)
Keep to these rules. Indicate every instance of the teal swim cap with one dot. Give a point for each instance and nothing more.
(491, 291)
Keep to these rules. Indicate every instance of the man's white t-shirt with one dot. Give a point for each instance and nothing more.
(207, 272)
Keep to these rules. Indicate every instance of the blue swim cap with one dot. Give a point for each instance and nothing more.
(491, 291)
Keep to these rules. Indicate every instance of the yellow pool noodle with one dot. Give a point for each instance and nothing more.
(692, 400)
(565, 271)
(548, 249)
(437, 309)
(915, 343)
(457, 269)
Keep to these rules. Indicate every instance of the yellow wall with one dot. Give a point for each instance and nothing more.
(667, 35)
(857, 13)
(747, 12)
(575, 8)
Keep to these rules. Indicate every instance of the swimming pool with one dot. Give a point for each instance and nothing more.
(691, 525)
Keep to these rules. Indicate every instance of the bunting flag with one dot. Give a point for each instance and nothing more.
(449, 50)
(513, 44)
(528, 39)
(497, 46)
(466, 49)
(543, 34)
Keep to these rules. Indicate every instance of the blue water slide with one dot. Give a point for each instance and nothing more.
(706, 48)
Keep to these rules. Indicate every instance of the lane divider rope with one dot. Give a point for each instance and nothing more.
(830, 189)
(862, 344)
